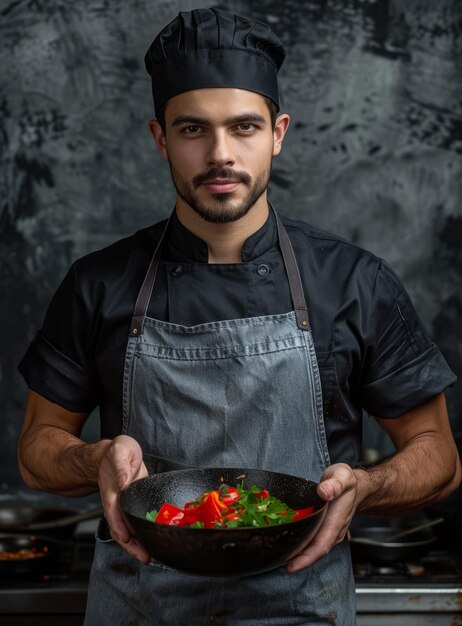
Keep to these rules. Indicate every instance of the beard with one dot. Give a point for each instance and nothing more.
(221, 209)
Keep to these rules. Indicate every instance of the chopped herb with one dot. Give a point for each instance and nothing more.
(151, 516)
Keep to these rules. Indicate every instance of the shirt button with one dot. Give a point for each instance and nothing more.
(178, 271)
(263, 270)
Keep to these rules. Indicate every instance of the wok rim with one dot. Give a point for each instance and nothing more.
(369, 541)
(15, 516)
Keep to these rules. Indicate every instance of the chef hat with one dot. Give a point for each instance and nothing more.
(210, 48)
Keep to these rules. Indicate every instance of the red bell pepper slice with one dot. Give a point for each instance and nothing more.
(212, 508)
(170, 515)
(208, 512)
(262, 494)
(232, 495)
(232, 516)
(301, 513)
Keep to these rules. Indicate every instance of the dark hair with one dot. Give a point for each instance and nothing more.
(274, 110)
(272, 106)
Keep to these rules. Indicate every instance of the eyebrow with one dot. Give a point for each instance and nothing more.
(229, 121)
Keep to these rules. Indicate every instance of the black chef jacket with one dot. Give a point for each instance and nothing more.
(372, 351)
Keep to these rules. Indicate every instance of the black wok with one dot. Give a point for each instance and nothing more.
(232, 551)
(60, 523)
(374, 544)
(40, 556)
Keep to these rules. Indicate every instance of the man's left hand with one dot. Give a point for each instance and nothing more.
(339, 487)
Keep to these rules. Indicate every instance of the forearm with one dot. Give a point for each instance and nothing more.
(425, 468)
(54, 460)
(424, 471)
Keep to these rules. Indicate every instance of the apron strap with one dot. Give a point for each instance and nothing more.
(293, 275)
(290, 264)
(144, 296)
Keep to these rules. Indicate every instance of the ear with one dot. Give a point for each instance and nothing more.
(159, 138)
(280, 129)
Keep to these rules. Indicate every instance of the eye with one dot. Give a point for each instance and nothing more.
(246, 127)
(193, 129)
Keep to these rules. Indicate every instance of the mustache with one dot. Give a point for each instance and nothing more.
(221, 172)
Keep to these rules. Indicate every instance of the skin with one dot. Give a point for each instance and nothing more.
(229, 131)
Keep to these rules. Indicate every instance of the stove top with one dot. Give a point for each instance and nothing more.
(408, 593)
(434, 568)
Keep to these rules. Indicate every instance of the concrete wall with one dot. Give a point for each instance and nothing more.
(374, 152)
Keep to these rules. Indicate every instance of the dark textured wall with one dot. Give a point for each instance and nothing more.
(374, 152)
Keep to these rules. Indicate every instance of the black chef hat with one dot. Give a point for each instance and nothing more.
(209, 48)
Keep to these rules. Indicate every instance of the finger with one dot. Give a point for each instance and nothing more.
(332, 531)
(135, 550)
(124, 465)
(330, 489)
(113, 514)
(335, 481)
(125, 459)
(142, 473)
(309, 556)
(315, 551)
(119, 529)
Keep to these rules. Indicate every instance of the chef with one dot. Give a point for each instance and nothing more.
(227, 335)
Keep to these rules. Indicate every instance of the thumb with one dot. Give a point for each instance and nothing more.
(127, 458)
(335, 481)
(329, 489)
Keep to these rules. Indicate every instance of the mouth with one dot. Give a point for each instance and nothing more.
(221, 185)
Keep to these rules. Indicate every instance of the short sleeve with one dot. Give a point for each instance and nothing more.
(402, 368)
(59, 363)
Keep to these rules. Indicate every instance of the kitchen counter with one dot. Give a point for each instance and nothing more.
(409, 604)
(54, 603)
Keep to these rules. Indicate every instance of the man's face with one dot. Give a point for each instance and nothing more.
(219, 144)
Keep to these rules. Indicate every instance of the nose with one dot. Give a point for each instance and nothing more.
(220, 151)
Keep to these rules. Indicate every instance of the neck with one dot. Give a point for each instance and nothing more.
(224, 241)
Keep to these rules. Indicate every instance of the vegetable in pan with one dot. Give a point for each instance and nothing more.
(23, 553)
(229, 507)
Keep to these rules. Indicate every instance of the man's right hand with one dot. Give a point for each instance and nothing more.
(53, 458)
(121, 464)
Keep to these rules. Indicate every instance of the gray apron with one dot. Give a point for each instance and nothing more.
(245, 393)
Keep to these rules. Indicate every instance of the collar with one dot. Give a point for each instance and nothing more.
(182, 245)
